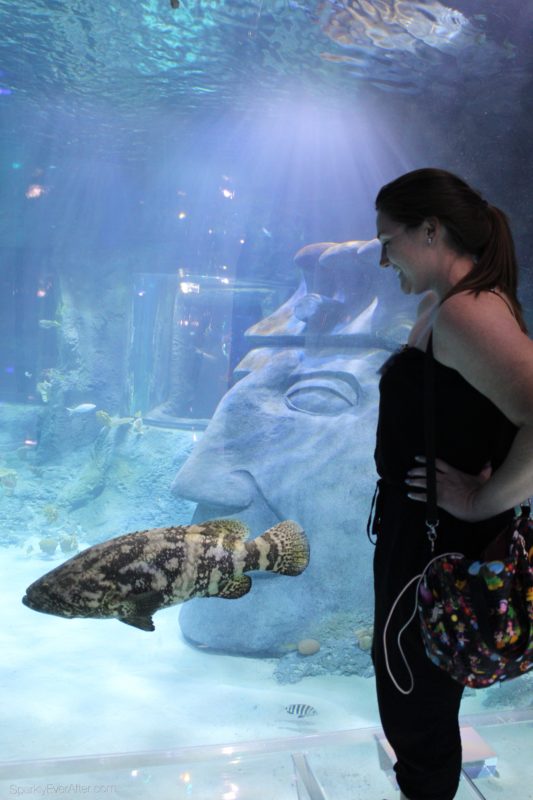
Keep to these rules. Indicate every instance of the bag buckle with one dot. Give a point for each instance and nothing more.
(431, 533)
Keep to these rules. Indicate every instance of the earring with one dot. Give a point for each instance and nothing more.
(430, 240)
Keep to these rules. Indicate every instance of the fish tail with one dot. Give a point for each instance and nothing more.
(286, 546)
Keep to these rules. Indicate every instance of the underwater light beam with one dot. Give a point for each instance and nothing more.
(319, 159)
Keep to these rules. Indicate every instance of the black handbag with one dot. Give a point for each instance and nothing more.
(476, 617)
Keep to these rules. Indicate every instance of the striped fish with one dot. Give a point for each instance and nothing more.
(301, 710)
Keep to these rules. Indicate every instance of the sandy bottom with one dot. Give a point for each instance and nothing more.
(73, 687)
(86, 687)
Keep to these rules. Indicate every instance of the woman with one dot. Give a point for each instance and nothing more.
(444, 240)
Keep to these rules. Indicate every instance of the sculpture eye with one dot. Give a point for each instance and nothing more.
(322, 396)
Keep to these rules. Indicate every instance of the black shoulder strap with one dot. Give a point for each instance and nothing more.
(429, 432)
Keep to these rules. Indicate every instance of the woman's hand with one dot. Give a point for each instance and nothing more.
(456, 491)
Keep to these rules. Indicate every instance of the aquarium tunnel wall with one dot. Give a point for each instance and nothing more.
(170, 354)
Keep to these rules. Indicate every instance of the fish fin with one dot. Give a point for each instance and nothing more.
(138, 611)
(144, 623)
(235, 587)
(234, 527)
(288, 548)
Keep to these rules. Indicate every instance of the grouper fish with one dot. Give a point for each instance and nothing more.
(134, 575)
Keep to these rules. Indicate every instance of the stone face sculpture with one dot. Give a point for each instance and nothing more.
(294, 439)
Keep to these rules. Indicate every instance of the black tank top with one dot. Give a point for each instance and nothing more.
(469, 429)
(469, 432)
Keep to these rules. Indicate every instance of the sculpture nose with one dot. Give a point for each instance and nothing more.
(208, 482)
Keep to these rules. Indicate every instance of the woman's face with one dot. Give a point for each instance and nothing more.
(406, 251)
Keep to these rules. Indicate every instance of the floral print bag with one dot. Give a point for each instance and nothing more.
(477, 616)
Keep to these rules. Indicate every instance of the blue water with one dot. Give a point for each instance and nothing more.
(160, 170)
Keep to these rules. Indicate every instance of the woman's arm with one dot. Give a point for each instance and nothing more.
(480, 338)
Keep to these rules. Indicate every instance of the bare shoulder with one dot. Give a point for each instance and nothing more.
(486, 318)
(481, 339)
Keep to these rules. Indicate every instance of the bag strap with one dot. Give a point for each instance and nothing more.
(418, 580)
(432, 519)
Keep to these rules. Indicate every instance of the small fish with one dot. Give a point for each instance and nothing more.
(301, 710)
(83, 408)
(131, 577)
(47, 324)
(174, 3)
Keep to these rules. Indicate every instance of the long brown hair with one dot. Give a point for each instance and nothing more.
(474, 227)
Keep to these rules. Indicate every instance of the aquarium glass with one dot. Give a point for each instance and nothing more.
(192, 321)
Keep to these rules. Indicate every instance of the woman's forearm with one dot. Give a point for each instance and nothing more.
(512, 482)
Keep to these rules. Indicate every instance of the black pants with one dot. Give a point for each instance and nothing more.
(422, 727)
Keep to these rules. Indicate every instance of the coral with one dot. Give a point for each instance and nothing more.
(51, 513)
(48, 545)
(114, 422)
(119, 421)
(8, 478)
(104, 418)
(50, 385)
(91, 481)
(43, 388)
(364, 638)
(137, 426)
(69, 543)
